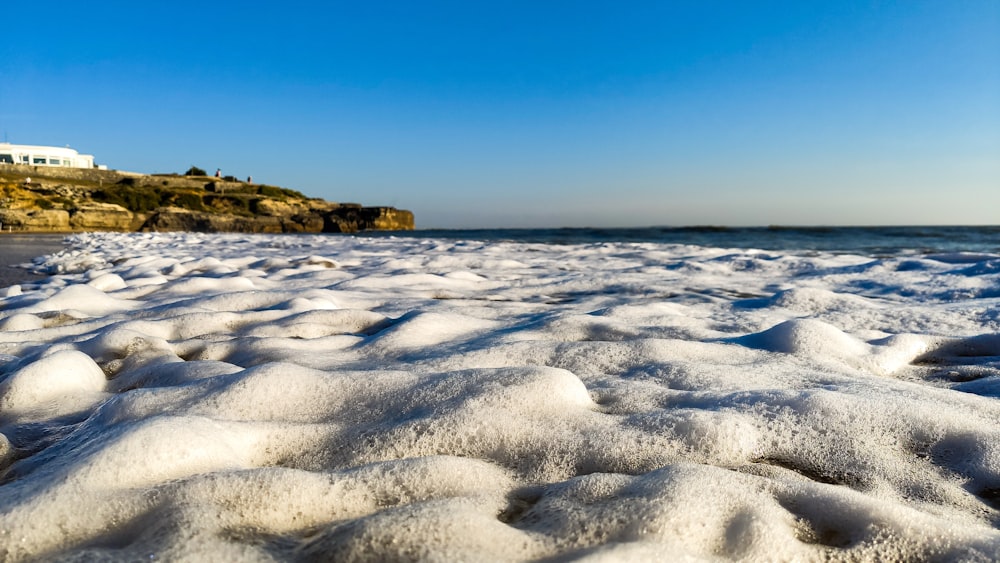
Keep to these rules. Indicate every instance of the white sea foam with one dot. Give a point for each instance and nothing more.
(227, 397)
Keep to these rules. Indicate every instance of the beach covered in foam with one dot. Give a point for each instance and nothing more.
(257, 398)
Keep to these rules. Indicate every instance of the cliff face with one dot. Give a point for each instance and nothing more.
(49, 199)
(101, 217)
(348, 219)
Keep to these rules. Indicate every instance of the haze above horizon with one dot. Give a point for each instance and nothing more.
(540, 114)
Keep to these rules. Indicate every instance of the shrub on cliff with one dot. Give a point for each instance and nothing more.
(65, 202)
(280, 194)
(188, 200)
(234, 204)
(195, 171)
(134, 198)
(143, 199)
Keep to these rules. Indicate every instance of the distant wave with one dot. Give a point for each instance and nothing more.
(874, 240)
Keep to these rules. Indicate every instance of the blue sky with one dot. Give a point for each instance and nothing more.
(544, 113)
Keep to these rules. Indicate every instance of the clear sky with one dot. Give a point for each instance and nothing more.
(541, 113)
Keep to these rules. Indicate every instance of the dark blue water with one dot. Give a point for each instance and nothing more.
(862, 240)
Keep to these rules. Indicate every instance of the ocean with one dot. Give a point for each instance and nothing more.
(570, 394)
(865, 240)
(17, 250)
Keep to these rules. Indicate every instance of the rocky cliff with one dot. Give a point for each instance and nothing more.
(52, 199)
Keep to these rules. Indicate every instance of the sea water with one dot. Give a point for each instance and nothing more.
(17, 249)
(768, 394)
(869, 240)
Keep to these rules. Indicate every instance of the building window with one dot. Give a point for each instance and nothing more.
(38, 160)
(55, 162)
(6, 158)
(24, 159)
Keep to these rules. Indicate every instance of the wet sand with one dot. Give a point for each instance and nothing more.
(18, 249)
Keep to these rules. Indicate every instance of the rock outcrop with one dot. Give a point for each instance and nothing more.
(101, 217)
(41, 220)
(347, 219)
(53, 199)
(177, 219)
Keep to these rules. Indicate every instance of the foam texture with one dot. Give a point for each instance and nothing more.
(260, 398)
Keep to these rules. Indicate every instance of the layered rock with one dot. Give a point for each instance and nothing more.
(177, 219)
(101, 217)
(339, 220)
(348, 219)
(40, 220)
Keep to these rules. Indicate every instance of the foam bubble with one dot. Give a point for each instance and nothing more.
(83, 298)
(60, 381)
(234, 397)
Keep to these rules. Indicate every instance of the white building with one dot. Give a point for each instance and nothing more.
(44, 156)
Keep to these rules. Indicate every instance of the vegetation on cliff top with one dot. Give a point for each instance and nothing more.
(138, 193)
(219, 202)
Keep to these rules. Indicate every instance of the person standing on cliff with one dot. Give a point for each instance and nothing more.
(218, 172)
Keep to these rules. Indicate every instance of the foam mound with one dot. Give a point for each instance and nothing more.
(259, 398)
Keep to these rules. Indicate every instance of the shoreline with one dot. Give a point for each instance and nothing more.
(22, 248)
